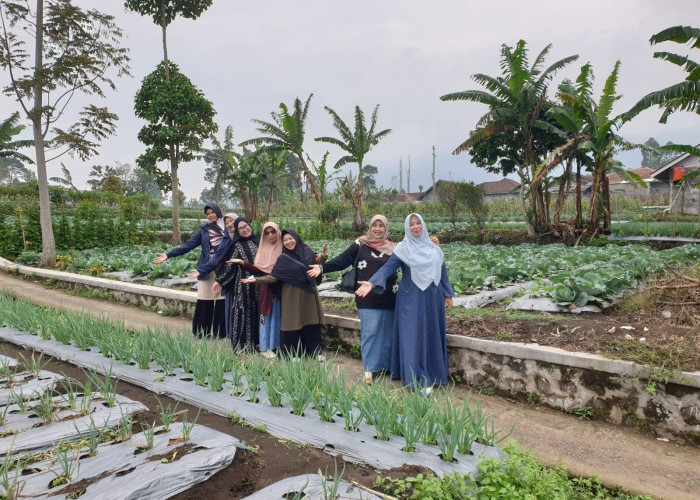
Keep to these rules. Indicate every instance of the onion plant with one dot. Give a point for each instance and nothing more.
(298, 384)
(330, 489)
(125, 427)
(7, 371)
(10, 484)
(143, 346)
(237, 380)
(34, 365)
(412, 424)
(69, 391)
(199, 366)
(217, 370)
(255, 374)
(165, 357)
(45, 406)
(448, 442)
(149, 432)
(187, 426)
(59, 328)
(69, 465)
(381, 405)
(168, 414)
(3, 413)
(352, 415)
(20, 399)
(274, 385)
(105, 387)
(94, 436)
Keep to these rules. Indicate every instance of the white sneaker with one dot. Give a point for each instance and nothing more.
(321, 358)
(269, 354)
(368, 378)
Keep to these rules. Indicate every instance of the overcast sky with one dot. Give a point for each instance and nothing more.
(248, 57)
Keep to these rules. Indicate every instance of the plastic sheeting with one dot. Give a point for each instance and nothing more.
(358, 447)
(27, 385)
(312, 486)
(66, 425)
(121, 471)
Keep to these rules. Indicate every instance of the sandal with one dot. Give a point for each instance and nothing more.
(368, 378)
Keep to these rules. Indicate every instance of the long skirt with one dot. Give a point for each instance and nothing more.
(209, 311)
(376, 334)
(303, 342)
(270, 328)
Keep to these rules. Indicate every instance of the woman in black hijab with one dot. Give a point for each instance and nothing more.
(209, 310)
(242, 310)
(302, 315)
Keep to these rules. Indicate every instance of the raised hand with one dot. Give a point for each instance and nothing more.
(194, 274)
(315, 271)
(160, 259)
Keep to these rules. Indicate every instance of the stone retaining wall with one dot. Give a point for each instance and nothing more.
(587, 385)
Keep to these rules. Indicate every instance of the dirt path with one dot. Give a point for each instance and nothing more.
(618, 456)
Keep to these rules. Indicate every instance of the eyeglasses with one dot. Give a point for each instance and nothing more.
(268, 232)
(243, 226)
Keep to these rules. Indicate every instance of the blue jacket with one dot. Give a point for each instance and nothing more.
(199, 239)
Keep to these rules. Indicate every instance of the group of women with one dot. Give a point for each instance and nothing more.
(271, 303)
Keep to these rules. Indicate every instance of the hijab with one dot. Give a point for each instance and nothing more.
(233, 217)
(215, 230)
(253, 238)
(267, 252)
(292, 265)
(420, 254)
(301, 252)
(381, 244)
(219, 218)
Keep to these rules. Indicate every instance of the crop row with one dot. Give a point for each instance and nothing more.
(299, 384)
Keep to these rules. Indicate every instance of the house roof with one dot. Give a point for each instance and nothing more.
(406, 197)
(644, 172)
(503, 186)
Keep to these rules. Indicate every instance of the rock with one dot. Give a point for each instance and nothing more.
(626, 327)
(612, 330)
(643, 339)
(646, 329)
(666, 314)
(628, 336)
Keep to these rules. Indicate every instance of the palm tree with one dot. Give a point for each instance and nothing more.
(286, 133)
(356, 144)
(516, 100)
(683, 96)
(8, 146)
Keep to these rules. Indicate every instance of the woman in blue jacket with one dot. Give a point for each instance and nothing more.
(209, 313)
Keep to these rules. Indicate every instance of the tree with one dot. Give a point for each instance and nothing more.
(74, 50)
(163, 12)
(654, 158)
(99, 173)
(179, 119)
(356, 144)
(449, 195)
(516, 102)
(473, 197)
(112, 184)
(12, 168)
(683, 96)
(140, 181)
(66, 180)
(286, 133)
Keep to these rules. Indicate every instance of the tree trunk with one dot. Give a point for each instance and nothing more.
(563, 191)
(594, 208)
(48, 244)
(579, 209)
(361, 198)
(309, 179)
(165, 43)
(175, 184)
(528, 224)
(268, 207)
(607, 219)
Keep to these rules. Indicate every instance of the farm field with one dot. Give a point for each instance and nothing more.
(550, 434)
(567, 275)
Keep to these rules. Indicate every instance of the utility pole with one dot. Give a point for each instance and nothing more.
(408, 177)
(433, 167)
(400, 176)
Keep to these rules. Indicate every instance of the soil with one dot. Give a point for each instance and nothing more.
(619, 456)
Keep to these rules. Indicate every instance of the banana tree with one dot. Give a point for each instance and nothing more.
(356, 144)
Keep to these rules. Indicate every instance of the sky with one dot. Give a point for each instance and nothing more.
(248, 57)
